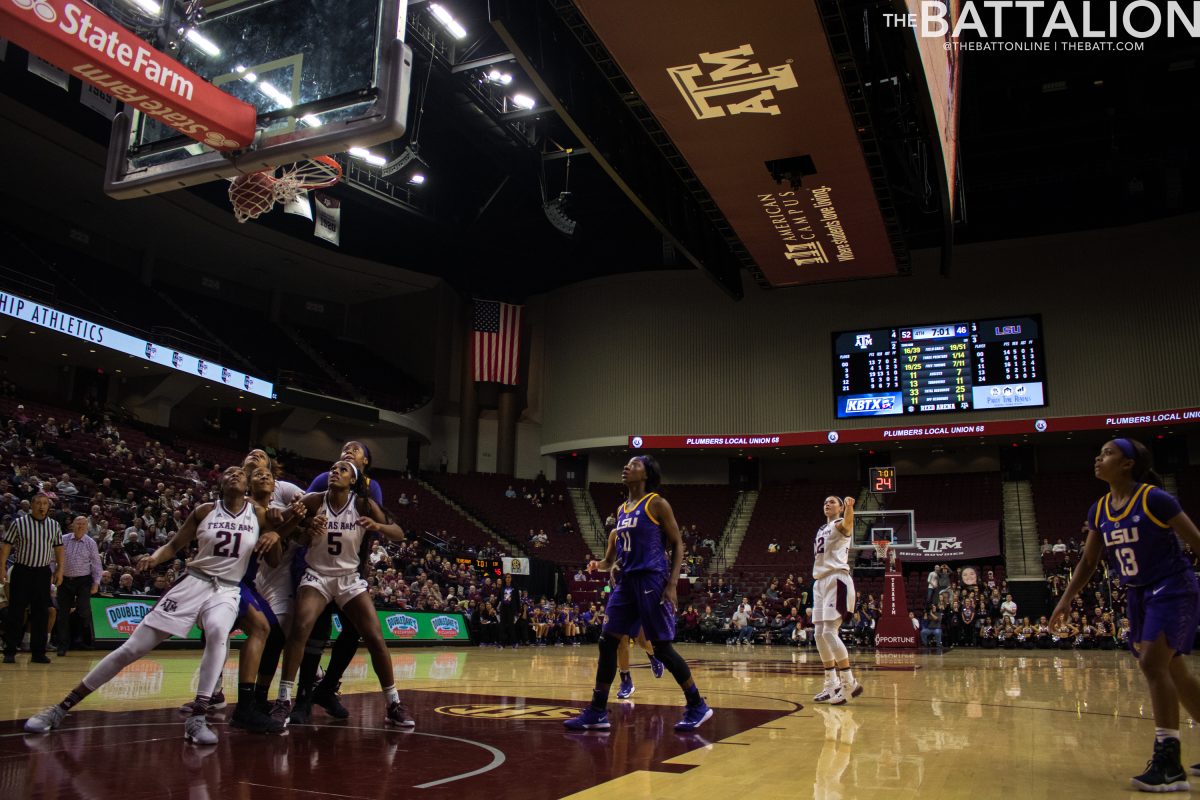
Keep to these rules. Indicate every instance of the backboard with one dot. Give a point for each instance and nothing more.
(323, 77)
(898, 527)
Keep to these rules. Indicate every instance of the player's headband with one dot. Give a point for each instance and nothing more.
(1126, 447)
(353, 468)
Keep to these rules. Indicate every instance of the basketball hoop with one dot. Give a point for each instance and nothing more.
(257, 193)
(881, 548)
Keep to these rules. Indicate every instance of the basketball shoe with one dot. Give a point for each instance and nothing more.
(46, 721)
(694, 717)
(1164, 771)
(250, 718)
(397, 716)
(656, 666)
(627, 688)
(215, 704)
(827, 692)
(282, 712)
(331, 702)
(588, 720)
(196, 731)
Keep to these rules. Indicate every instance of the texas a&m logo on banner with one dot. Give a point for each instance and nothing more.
(736, 84)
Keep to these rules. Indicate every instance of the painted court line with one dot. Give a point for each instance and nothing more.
(304, 791)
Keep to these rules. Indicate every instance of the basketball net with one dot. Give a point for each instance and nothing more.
(881, 549)
(256, 193)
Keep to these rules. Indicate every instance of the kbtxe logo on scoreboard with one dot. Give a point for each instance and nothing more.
(732, 82)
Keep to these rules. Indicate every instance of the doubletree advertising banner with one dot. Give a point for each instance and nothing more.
(117, 617)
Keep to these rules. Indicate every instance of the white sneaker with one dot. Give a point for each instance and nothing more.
(825, 694)
(852, 688)
(46, 721)
(839, 697)
(196, 731)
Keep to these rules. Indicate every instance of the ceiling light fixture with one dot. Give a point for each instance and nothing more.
(279, 97)
(523, 101)
(195, 37)
(448, 21)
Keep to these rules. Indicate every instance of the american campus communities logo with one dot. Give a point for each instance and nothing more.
(126, 617)
(402, 626)
(731, 82)
(446, 627)
(637, 443)
(1049, 25)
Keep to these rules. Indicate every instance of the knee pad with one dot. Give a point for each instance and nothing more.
(609, 644)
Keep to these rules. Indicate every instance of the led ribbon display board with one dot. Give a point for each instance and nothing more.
(1006, 427)
(100, 336)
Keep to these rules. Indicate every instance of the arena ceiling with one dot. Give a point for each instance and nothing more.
(1049, 143)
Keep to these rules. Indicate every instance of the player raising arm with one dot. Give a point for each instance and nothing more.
(1138, 526)
(834, 599)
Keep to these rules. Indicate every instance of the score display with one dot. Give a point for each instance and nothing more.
(882, 480)
(955, 366)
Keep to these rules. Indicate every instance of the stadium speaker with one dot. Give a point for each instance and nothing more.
(556, 211)
(792, 169)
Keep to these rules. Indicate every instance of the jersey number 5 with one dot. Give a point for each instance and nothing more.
(1128, 561)
(335, 543)
(221, 548)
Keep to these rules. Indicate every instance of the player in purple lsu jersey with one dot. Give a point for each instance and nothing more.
(1137, 526)
(644, 597)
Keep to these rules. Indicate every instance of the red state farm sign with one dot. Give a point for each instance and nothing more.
(91, 46)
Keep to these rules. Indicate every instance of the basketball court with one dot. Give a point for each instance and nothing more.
(1026, 724)
(275, 97)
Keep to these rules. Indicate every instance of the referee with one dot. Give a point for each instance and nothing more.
(35, 541)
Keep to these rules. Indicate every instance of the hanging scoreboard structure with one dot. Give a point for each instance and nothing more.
(984, 364)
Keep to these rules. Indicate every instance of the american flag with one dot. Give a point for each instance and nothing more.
(497, 341)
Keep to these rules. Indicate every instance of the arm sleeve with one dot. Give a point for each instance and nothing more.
(1091, 515)
(320, 483)
(1162, 505)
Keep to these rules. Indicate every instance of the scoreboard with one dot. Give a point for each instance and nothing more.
(953, 366)
(882, 480)
(484, 566)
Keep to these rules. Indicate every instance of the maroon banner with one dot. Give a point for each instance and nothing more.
(954, 541)
(894, 630)
(1008, 427)
(740, 86)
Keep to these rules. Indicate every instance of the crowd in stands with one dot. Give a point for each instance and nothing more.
(135, 492)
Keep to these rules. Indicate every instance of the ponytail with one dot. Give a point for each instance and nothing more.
(1143, 463)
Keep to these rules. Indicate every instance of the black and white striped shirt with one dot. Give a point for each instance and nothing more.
(33, 542)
